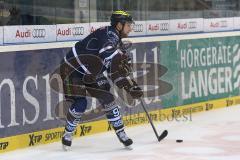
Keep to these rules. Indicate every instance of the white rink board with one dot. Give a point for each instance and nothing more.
(29, 34)
(133, 40)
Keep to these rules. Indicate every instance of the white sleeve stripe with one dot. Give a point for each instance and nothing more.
(105, 48)
(79, 62)
(114, 119)
(118, 79)
(71, 65)
(112, 55)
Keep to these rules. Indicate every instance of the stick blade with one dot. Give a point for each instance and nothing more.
(163, 135)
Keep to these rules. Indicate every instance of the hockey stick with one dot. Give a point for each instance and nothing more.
(163, 134)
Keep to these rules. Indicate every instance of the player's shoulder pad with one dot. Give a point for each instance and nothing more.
(112, 35)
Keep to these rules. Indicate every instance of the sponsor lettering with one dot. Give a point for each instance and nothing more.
(187, 25)
(109, 126)
(75, 31)
(53, 136)
(85, 129)
(237, 101)
(64, 32)
(176, 113)
(153, 27)
(219, 24)
(34, 139)
(209, 106)
(197, 109)
(159, 27)
(135, 120)
(4, 145)
(210, 70)
(20, 34)
(182, 25)
(229, 102)
(214, 25)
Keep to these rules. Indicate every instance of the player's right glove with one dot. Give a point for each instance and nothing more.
(130, 86)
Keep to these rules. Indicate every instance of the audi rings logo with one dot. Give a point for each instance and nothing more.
(223, 23)
(76, 31)
(164, 26)
(39, 33)
(138, 27)
(192, 25)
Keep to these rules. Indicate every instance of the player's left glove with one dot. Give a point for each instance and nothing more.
(135, 91)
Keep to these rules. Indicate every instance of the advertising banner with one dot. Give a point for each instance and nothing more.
(66, 32)
(186, 25)
(29, 34)
(218, 24)
(208, 68)
(1, 35)
(158, 27)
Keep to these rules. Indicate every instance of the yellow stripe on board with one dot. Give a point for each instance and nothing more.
(54, 135)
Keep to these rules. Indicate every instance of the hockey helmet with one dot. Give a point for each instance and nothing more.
(121, 16)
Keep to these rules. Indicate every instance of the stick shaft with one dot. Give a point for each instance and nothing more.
(149, 118)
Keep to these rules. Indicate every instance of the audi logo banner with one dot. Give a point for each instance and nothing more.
(72, 31)
(158, 27)
(29, 34)
(1, 35)
(186, 25)
(218, 24)
(139, 28)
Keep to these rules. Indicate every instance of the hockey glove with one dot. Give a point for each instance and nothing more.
(103, 83)
(135, 91)
(125, 67)
(130, 86)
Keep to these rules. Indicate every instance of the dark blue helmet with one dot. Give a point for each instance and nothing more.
(121, 16)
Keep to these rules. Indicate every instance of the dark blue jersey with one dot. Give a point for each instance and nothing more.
(102, 43)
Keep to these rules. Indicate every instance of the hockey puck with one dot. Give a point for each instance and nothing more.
(179, 140)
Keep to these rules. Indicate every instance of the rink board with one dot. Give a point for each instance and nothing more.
(197, 72)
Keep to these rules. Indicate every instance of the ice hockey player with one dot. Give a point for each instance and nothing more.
(82, 71)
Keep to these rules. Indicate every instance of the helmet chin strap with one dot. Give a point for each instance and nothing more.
(121, 30)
